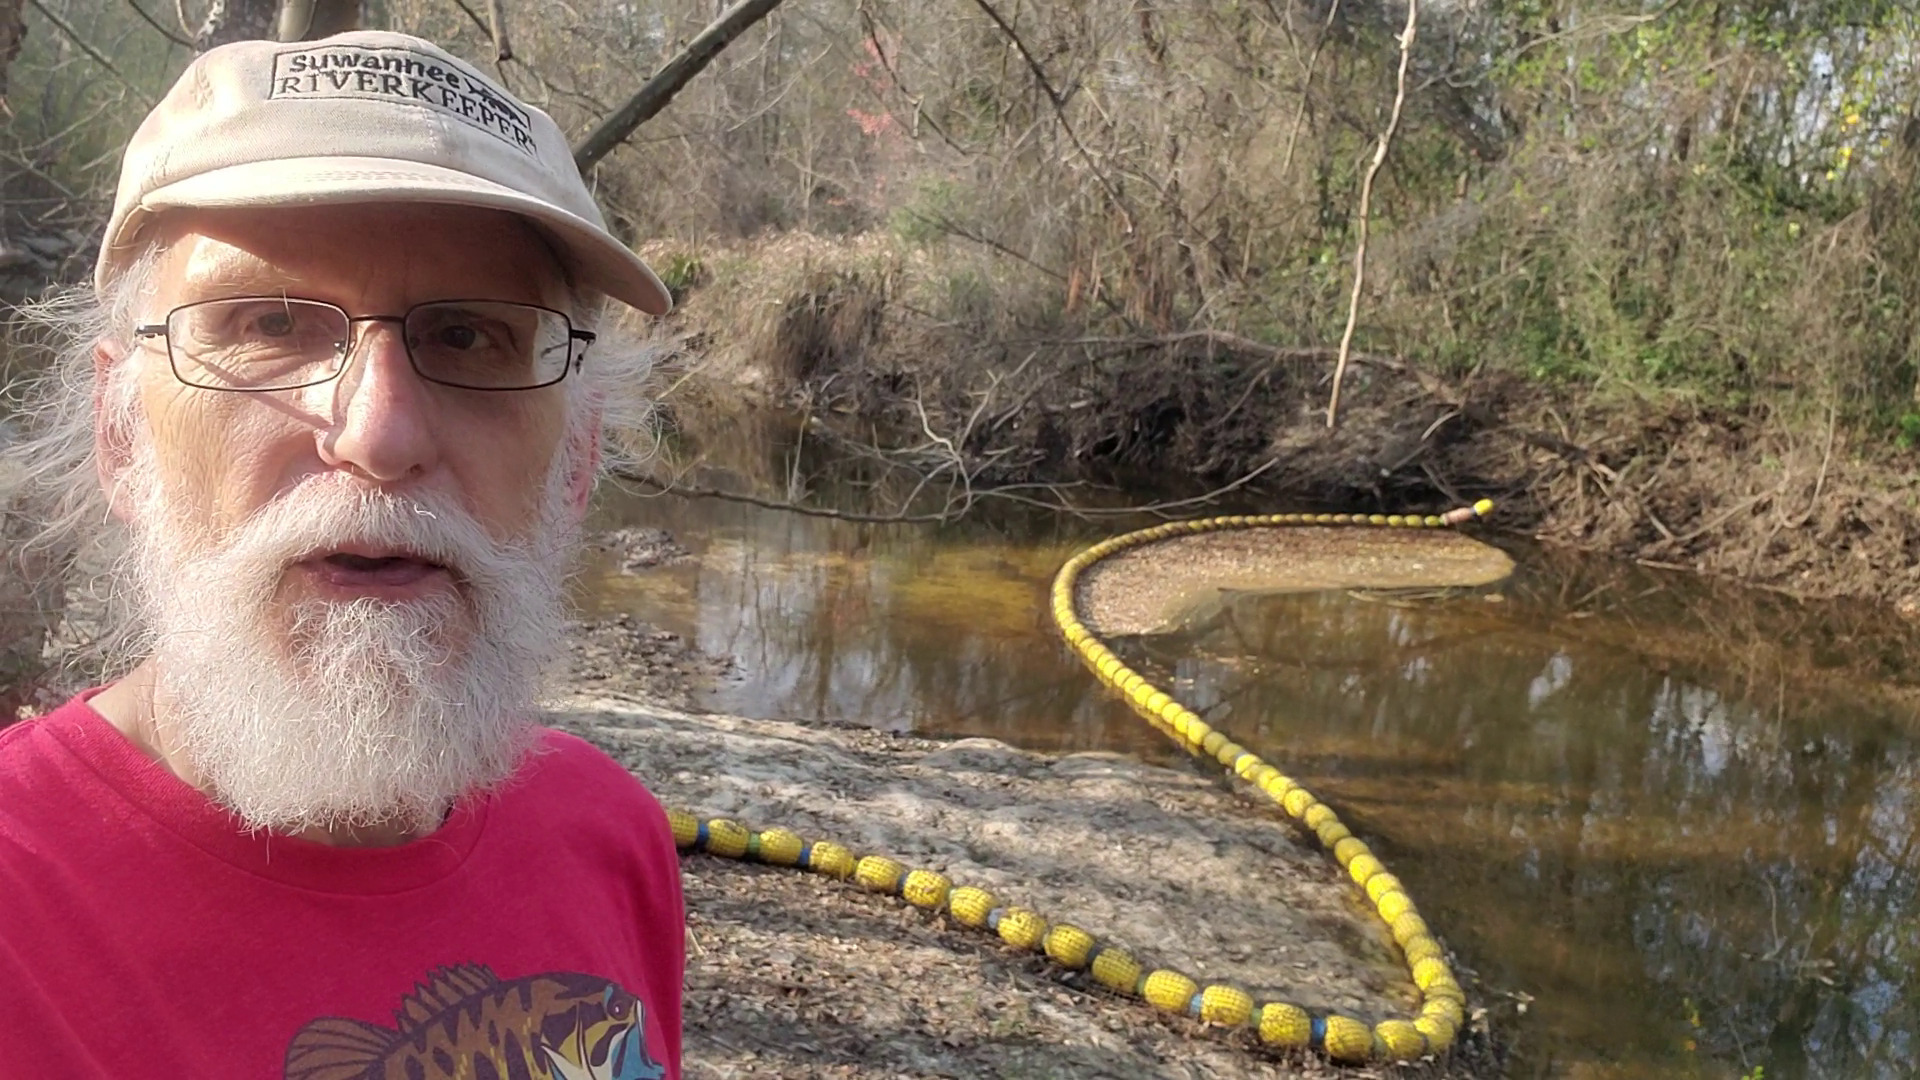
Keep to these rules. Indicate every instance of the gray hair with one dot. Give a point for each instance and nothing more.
(54, 512)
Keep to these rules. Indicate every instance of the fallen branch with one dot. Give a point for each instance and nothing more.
(1008, 493)
(697, 491)
(1366, 212)
(1224, 339)
(1741, 507)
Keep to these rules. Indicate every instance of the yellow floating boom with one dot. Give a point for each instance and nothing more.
(1280, 1024)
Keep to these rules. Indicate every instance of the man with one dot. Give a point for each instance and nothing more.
(336, 384)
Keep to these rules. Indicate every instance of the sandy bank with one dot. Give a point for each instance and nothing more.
(793, 975)
(1151, 587)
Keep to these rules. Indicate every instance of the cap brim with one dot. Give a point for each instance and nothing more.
(598, 260)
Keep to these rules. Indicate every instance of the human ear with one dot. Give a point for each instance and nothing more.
(585, 455)
(112, 437)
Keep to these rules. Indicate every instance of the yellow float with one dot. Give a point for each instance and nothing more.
(1279, 1024)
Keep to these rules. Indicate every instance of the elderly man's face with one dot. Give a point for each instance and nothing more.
(223, 456)
(352, 586)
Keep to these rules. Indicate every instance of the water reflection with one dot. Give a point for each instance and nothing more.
(1694, 851)
(1679, 876)
(892, 627)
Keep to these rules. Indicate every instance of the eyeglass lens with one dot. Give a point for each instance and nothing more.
(273, 343)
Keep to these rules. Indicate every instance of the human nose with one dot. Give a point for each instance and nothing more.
(381, 413)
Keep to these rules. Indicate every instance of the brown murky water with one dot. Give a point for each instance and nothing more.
(1681, 822)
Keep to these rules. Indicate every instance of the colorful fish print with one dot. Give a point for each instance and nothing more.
(464, 1023)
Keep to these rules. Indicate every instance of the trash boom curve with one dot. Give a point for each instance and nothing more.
(1279, 1024)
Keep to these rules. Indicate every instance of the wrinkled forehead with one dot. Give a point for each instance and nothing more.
(357, 255)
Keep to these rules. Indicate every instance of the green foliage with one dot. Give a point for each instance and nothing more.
(1908, 430)
(922, 219)
(1709, 201)
(681, 271)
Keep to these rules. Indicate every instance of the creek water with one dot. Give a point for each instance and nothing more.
(1675, 824)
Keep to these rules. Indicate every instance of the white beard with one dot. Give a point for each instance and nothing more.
(345, 715)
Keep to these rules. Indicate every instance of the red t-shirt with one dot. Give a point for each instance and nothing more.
(145, 933)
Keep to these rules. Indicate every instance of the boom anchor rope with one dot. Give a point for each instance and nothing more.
(1284, 1025)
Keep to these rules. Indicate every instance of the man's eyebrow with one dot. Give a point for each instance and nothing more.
(253, 281)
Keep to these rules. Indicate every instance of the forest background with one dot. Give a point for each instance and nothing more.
(1647, 272)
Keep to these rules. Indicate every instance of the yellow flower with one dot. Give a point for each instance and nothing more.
(1852, 118)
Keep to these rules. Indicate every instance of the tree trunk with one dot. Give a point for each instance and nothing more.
(12, 29)
(236, 20)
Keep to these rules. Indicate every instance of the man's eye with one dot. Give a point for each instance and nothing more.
(274, 324)
(459, 336)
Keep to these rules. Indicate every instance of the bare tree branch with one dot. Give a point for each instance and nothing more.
(957, 508)
(1059, 102)
(668, 81)
(1366, 212)
(872, 28)
(1306, 85)
(155, 23)
(92, 53)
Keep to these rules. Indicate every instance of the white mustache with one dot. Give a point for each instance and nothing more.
(322, 516)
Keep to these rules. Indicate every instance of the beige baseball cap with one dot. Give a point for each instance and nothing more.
(362, 117)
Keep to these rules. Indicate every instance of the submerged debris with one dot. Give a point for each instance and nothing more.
(640, 549)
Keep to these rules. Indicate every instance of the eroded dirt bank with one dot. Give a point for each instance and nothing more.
(1817, 504)
(790, 975)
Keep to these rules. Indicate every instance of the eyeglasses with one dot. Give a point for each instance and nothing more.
(258, 343)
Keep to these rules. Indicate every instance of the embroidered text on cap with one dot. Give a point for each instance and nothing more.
(405, 76)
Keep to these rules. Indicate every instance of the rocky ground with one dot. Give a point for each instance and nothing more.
(792, 975)
(624, 655)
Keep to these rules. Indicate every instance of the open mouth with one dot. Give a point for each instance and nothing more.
(364, 569)
(373, 563)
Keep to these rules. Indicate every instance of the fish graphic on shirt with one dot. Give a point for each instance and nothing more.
(465, 1022)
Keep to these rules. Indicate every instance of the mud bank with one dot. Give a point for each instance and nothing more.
(793, 975)
(1817, 505)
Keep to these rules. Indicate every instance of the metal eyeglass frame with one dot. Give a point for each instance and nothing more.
(576, 356)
